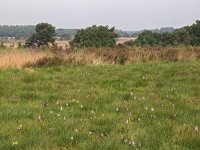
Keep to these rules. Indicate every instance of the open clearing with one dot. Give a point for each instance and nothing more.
(141, 106)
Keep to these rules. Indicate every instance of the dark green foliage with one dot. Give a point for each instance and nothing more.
(189, 35)
(179, 37)
(95, 36)
(148, 38)
(45, 34)
(194, 31)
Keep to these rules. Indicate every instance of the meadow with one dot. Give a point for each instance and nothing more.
(149, 102)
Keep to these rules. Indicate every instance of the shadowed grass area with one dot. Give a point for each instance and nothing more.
(143, 106)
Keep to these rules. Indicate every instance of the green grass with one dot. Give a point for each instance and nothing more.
(155, 105)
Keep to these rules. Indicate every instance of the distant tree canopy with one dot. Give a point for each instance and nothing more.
(95, 36)
(189, 35)
(17, 32)
(44, 34)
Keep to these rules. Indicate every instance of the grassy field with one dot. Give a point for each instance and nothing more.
(146, 106)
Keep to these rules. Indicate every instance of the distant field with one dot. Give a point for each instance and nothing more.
(125, 39)
(142, 106)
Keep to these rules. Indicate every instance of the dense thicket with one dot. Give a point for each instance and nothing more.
(189, 35)
(95, 36)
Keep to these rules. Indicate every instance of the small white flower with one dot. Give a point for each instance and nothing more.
(64, 118)
(39, 117)
(133, 143)
(126, 122)
(57, 102)
(81, 106)
(61, 108)
(90, 133)
(51, 112)
(77, 101)
(67, 104)
(73, 100)
(139, 119)
(131, 93)
(76, 130)
(58, 115)
(146, 108)
(103, 115)
(19, 127)
(92, 112)
(152, 109)
(117, 109)
(196, 129)
(126, 141)
(72, 138)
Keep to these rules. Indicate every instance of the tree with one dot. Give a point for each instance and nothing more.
(148, 38)
(44, 34)
(194, 31)
(95, 36)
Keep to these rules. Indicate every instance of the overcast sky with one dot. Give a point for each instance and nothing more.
(123, 14)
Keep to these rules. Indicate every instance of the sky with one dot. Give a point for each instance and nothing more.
(123, 14)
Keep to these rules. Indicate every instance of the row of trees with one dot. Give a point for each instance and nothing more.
(189, 35)
(103, 36)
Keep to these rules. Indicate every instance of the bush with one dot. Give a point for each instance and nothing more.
(95, 36)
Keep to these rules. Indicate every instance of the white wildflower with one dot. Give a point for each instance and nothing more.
(126, 122)
(90, 133)
(131, 93)
(39, 117)
(152, 109)
(196, 129)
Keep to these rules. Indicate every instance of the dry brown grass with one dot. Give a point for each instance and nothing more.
(94, 57)
(130, 56)
(18, 58)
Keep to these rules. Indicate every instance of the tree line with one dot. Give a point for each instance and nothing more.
(103, 36)
(23, 32)
(189, 35)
